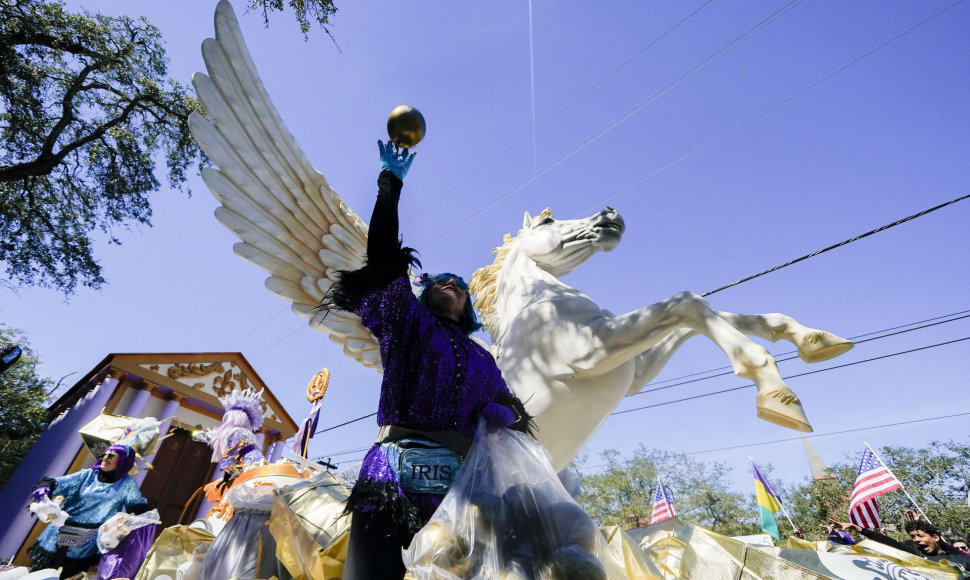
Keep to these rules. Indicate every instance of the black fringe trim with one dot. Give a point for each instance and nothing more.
(354, 285)
(525, 422)
(41, 559)
(383, 498)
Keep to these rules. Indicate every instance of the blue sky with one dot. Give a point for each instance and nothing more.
(732, 149)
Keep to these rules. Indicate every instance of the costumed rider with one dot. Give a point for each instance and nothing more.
(437, 383)
(89, 497)
(233, 442)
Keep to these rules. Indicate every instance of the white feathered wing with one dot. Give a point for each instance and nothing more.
(291, 222)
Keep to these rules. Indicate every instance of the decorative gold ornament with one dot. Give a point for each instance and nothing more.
(318, 386)
(177, 371)
(406, 126)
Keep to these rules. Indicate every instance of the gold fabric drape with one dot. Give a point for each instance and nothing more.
(310, 531)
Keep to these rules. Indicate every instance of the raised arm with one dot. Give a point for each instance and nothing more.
(383, 243)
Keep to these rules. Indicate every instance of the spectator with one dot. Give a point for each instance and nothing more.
(927, 538)
(924, 540)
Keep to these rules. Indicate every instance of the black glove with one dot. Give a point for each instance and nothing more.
(227, 481)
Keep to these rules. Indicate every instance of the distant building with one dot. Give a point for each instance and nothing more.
(182, 386)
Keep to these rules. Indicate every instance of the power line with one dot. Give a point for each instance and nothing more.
(840, 244)
(532, 132)
(345, 423)
(259, 326)
(854, 338)
(721, 374)
(789, 377)
(275, 344)
(811, 436)
(829, 434)
(751, 385)
(596, 135)
(773, 107)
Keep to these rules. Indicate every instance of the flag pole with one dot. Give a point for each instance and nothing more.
(901, 486)
(784, 510)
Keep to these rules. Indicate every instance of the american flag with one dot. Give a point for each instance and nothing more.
(874, 479)
(662, 508)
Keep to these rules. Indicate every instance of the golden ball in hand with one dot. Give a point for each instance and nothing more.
(406, 126)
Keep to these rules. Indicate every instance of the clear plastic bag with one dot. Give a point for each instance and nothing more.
(508, 517)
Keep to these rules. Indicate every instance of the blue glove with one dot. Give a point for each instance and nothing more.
(396, 161)
(497, 416)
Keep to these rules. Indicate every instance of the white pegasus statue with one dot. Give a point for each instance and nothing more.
(572, 361)
(569, 359)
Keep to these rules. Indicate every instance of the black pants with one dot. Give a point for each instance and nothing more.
(41, 559)
(374, 549)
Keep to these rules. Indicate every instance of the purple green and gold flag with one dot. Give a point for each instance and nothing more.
(768, 503)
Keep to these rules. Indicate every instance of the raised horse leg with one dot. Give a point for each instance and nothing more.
(776, 403)
(813, 345)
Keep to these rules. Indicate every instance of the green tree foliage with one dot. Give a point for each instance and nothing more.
(307, 12)
(23, 413)
(622, 492)
(86, 109)
(937, 477)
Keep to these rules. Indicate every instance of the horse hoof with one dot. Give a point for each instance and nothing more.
(822, 345)
(781, 407)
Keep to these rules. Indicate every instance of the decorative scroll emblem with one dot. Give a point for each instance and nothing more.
(176, 372)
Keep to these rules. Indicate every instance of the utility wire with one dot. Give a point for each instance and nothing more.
(275, 344)
(532, 133)
(596, 135)
(829, 434)
(773, 107)
(840, 244)
(721, 374)
(343, 424)
(789, 377)
(532, 82)
(434, 201)
(261, 325)
(811, 436)
(693, 71)
(749, 385)
(852, 338)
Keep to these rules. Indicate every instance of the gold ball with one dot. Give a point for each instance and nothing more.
(406, 126)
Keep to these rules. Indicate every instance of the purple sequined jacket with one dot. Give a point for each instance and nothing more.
(435, 376)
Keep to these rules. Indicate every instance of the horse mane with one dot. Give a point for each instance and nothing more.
(484, 281)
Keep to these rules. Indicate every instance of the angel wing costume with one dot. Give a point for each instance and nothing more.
(291, 222)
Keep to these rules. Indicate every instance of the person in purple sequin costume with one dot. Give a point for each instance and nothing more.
(437, 384)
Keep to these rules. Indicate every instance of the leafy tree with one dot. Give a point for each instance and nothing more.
(622, 493)
(937, 477)
(23, 414)
(307, 12)
(86, 108)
